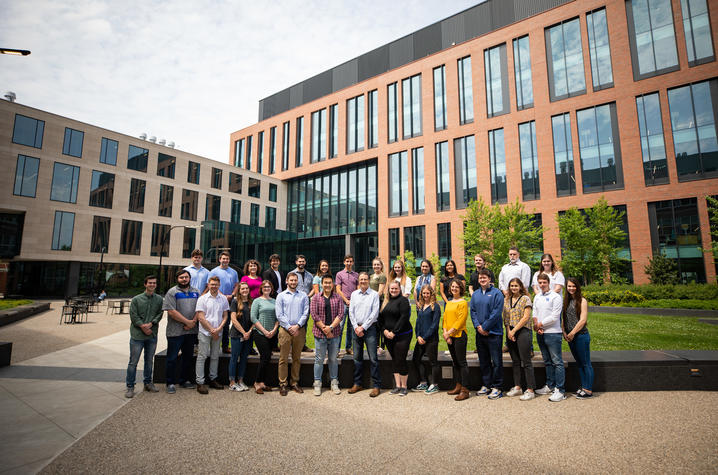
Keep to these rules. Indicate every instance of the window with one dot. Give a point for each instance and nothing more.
(102, 188)
(193, 173)
(417, 171)
(411, 106)
(188, 240)
(653, 150)
(373, 118)
(466, 93)
(137, 158)
(217, 178)
(235, 183)
(440, 98)
(565, 60)
(697, 28)
(497, 162)
(333, 130)
(165, 204)
(255, 187)
(73, 142)
(166, 165)
(254, 215)
(398, 184)
(529, 161)
(651, 37)
(137, 195)
(131, 237)
(414, 241)
(441, 150)
(392, 113)
(497, 88)
(235, 212)
(299, 152)
(212, 208)
(64, 183)
(522, 73)
(272, 149)
(249, 152)
(239, 153)
(100, 234)
(563, 155)
(285, 146)
(28, 131)
(465, 170)
(270, 218)
(444, 240)
(160, 240)
(599, 49)
(260, 151)
(355, 124)
(108, 152)
(393, 244)
(26, 176)
(272, 192)
(693, 120)
(599, 148)
(319, 136)
(190, 199)
(62, 231)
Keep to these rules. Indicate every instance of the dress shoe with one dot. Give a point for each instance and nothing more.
(297, 389)
(259, 390)
(355, 389)
(455, 391)
(215, 385)
(283, 390)
(267, 389)
(202, 389)
(463, 395)
(374, 392)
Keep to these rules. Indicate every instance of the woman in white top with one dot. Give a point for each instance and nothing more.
(548, 266)
(398, 273)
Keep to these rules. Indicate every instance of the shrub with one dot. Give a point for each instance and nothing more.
(661, 270)
(616, 294)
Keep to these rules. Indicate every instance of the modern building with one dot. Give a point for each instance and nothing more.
(554, 103)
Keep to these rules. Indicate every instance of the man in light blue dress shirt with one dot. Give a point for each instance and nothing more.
(292, 308)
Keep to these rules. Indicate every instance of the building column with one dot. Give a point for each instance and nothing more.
(348, 245)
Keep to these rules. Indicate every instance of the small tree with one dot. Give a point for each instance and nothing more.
(661, 270)
(409, 263)
(436, 263)
(713, 219)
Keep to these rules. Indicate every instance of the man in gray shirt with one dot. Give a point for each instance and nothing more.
(180, 302)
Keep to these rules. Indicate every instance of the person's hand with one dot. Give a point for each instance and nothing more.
(420, 340)
(267, 334)
(512, 335)
(327, 330)
(388, 334)
(448, 341)
(481, 330)
(359, 331)
(293, 330)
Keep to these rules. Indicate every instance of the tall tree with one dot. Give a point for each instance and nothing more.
(713, 219)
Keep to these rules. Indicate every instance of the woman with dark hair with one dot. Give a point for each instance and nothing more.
(556, 279)
(519, 337)
(240, 336)
(425, 278)
(449, 275)
(394, 321)
(575, 332)
(253, 277)
(428, 315)
(265, 322)
(322, 269)
(398, 273)
(455, 314)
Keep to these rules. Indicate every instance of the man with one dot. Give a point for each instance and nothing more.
(346, 282)
(363, 314)
(198, 273)
(306, 280)
(547, 307)
(292, 308)
(229, 285)
(212, 309)
(515, 268)
(181, 303)
(480, 263)
(274, 275)
(145, 316)
(486, 307)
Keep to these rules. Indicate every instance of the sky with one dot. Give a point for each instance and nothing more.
(188, 71)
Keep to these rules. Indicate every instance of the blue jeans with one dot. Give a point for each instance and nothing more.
(370, 339)
(550, 346)
(240, 350)
(174, 345)
(491, 360)
(347, 323)
(322, 345)
(581, 351)
(136, 346)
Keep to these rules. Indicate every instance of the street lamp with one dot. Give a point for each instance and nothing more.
(162, 246)
(16, 52)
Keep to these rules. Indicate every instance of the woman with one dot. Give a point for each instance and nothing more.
(327, 310)
(556, 279)
(398, 274)
(455, 314)
(449, 276)
(394, 321)
(377, 281)
(317, 280)
(265, 322)
(253, 277)
(519, 337)
(425, 278)
(428, 315)
(241, 337)
(575, 332)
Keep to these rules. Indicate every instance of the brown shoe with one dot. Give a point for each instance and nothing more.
(355, 389)
(258, 390)
(297, 389)
(215, 385)
(455, 391)
(267, 389)
(350, 351)
(202, 389)
(464, 394)
(374, 392)
(283, 390)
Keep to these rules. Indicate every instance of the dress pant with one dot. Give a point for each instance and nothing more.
(520, 351)
(293, 344)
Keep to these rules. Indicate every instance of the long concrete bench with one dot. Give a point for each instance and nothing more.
(23, 311)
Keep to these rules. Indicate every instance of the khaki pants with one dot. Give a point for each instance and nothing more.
(288, 343)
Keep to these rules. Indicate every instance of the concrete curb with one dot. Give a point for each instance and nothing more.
(21, 312)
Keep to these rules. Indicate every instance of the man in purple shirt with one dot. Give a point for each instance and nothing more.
(346, 282)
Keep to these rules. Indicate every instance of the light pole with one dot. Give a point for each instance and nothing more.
(162, 247)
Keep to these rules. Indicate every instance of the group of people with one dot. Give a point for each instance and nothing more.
(372, 311)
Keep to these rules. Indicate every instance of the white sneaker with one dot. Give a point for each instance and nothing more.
(527, 396)
(234, 387)
(543, 391)
(317, 388)
(496, 394)
(483, 391)
(243, 387)
(514, 392)
(335, 386)
(557, 396)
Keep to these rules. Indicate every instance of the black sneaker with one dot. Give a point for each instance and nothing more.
(188, 385)
(583, 395)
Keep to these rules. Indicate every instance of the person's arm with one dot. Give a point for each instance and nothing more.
(435, 319)
(338, 290)
(404, 316)
(493, 322)
(201, 318)
(559, 282)
(407, 287)
(339, 316)
(373, 315)
(352, 311)
(224, 320)
(463, 313)
(135, 318)
(502, 277)
(526, 275)
(281, 312)
(583, 319)
(534, 284)
(254, 317)
(305, 311)
(555, 313)
(158, 312)
(524, 319)
(382, 286)
(233, 318)
(443, 295)
(474, 307)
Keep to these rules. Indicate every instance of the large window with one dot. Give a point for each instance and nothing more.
(599, 49)
(28, 131)
(697, 28)
(319, 136)
(522, 73)
(260, 151)
(235, 183)
(137, 195)
(414, 239)
(166, 165)
(440, 98)
(64, 183)
(73, 142)
(137, 158)
(26, 176)
(249, 153)
(131, 237)
(529, 161)
(273, 192)
(466, 93)
(563, 155)
(393, 244)
(212, 208)
(160, 240)
(443, 231)
(272, 149)
(299, 152)
(599, 148)
(108, 151)
(188, 240)
(333, 130)
(165, 204)
(235, 213)
(239, 153)
(443, 192)
(693, 120)
(270, 218)
(355, 124)
(216, 178)
(564, 56)
(497, 162)
(102, 188)
(465, 170)
(254, 188)
(193, 173)
(411, 106)
(653, 150)
(190, 199)
(285, 146)
(254, 215)
(398, 184)
(652, 37)
(392, 106)
(417, 175)
(100, 234)
(497, 87)
(373, 118)
(62, 231)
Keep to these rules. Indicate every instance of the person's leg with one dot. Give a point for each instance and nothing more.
(455, 361)
(264, 346)
(548, 364)
(513, 347)
(417, 363)
(214, 349)
(460, 349)
(402, 350)
(432, 350)
(246, 346)
(174, 344)
(150, 345)
(187, 357)
(497, 361)
(298, 341)
(136, 347)
(371, 336)
(202, 354)
(524, 345)
(320, 351)
(348, 328)
(233, 359)
(285, 344)
(482, 347)
(553, 342)
(358, 345)
(581, 350)
(333, 350)
(225, 335)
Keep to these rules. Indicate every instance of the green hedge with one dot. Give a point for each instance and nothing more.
(676, 303)
(635, 295)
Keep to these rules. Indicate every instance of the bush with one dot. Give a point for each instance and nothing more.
(612, 296)
(661, 270)
(608, 294)
(676, 303)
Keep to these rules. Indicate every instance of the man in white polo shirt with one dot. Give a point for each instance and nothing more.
(515, 268)
(547, 307)
(212, 310)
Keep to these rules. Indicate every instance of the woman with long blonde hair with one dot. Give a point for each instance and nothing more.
(398, 273)
(428, 316)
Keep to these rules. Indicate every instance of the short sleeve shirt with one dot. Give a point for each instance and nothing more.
(213, 308)
(185, 302)
(514, 312)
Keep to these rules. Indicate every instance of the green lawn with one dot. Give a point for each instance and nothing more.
(6, 304)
